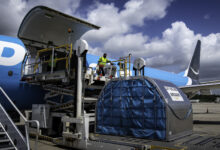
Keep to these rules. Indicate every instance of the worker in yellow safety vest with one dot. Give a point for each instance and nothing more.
(101, 63)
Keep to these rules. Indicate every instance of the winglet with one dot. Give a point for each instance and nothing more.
(194, 65)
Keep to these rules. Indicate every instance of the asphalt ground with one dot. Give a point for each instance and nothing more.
(206, 112)
(45, 145)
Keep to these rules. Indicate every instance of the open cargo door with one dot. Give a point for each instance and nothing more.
(43, 25)
(50, 36)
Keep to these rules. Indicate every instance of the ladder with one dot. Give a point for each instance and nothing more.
(6, 142)
(10, 135)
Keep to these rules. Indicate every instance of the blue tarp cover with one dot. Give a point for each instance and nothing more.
(131, 108)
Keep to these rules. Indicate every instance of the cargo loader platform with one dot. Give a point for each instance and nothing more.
(195, 141)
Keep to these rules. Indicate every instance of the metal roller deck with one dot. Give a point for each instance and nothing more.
(196, 141)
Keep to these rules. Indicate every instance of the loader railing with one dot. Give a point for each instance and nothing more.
(39, 61)
(124, 66)
(68, 48)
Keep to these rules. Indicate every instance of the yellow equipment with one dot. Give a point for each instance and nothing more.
(68, 48)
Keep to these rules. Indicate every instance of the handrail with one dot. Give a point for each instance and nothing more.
(49, 49)
(68, 48)
(126, 60)
(25, 120)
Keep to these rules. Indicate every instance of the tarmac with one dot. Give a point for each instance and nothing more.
(206, 118)
(45, 145)
(206, 112)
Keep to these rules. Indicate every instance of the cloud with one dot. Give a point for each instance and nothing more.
(115, 22)
(175, 47)
(13, 11)
(126, 43)
(136, 11)
(117, 35)
(65, 6)
(11, 14)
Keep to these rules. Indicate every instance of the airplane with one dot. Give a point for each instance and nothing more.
(13, 52)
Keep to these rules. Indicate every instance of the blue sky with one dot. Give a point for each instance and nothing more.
(202, 16)
(163, 32)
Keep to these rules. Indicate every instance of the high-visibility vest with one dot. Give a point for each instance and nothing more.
(103, 61)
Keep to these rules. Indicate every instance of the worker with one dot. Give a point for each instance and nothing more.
(101, 63)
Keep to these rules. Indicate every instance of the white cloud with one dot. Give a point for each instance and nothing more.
(107, 16)
(136, 11)
(115, 22)
(13, 11)
(174, 47)
(65, 6)
(125, 43)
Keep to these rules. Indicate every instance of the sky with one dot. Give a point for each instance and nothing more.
(163, 32)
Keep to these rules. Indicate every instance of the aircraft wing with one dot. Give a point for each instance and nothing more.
(204, 86)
